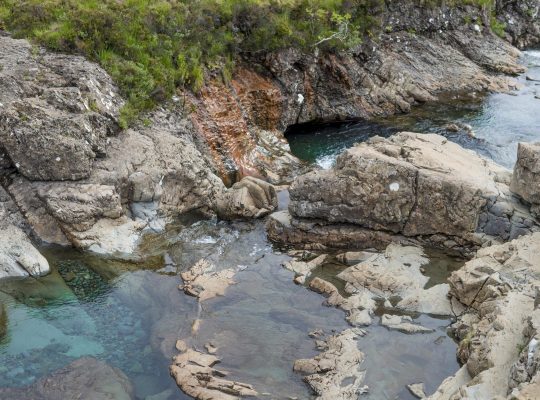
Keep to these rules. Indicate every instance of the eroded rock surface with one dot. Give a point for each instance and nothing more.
(500, 329)
(336, 373)
(526, 178)
(195, 374)
(410, 185)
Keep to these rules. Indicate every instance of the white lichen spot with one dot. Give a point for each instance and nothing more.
(17, 165)
(477, 28)
(300, 98)
(394, 186)
(176, 99)
(57, 159)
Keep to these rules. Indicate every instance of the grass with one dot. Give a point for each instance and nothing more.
(152, 48)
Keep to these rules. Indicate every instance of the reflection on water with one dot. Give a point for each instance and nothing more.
(499, 122)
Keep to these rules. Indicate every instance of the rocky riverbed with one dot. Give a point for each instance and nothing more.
(194, 256)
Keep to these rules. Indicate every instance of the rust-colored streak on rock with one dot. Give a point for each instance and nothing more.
(260, 98)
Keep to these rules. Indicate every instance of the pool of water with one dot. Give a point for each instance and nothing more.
(498, 122)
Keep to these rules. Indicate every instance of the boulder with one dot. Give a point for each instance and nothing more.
(57, 111)
(249, 198)
(411, 185)
(526, 178)
(85, 378)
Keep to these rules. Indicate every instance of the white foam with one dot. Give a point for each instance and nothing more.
(326, 162)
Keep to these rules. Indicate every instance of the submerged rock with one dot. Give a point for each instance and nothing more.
(336, 373)
(500, 329)
(204, 282)
(417, 186)
(402, 324)
(85, 378)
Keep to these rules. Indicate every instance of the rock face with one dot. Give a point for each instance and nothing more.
(526, 178)
(500, 330)
(57, 111)
(412, 185)
(85, 378)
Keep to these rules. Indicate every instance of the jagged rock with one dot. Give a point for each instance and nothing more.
(57, 111)
(195, 375)
(499, 288)
(412, 185)
(18, 256)
(336, 373)
(403, 324)
(249, 198)
(85, 378)
(204, 282)
(526, 178)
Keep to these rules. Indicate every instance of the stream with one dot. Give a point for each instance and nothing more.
(130, 315)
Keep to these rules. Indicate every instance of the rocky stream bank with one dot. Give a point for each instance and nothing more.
(360, 235)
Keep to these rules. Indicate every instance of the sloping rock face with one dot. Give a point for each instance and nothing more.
(411, 185)
(85, 378)
(78, 180)
(500, 330)
(526, 178)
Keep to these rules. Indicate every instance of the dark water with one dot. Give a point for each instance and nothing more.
(499, 122)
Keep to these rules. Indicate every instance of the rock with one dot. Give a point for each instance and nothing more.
(419, 186)
(396, 272)
(57, 113)
(302, 269)
(85, 378)
(501, 324)
(336, 373)
(403, 324)
(3, 321)
(203, 282)
(18, 256)
(526, 178)
(195, 375)
(353, 257)
(418, 390)
(249, 198)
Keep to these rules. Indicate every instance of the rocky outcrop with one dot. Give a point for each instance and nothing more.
(410, 185)
(204, 282)
(195, 374)
(499, 331)
(336, 373)
(57, 111)
(85, 378)
(526, 178)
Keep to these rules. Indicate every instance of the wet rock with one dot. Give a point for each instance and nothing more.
(418, 390)
(85, 378)
(417, 186)
(353, 257)
(204, 282)
(3, 321)
(336, 373)
(249, 198)
(195, 375)
(18, 256)
(497, 346)
(402, 324)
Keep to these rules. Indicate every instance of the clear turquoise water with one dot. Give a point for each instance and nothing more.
(499, 122)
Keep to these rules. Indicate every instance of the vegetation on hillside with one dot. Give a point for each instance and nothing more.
(152, 47)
